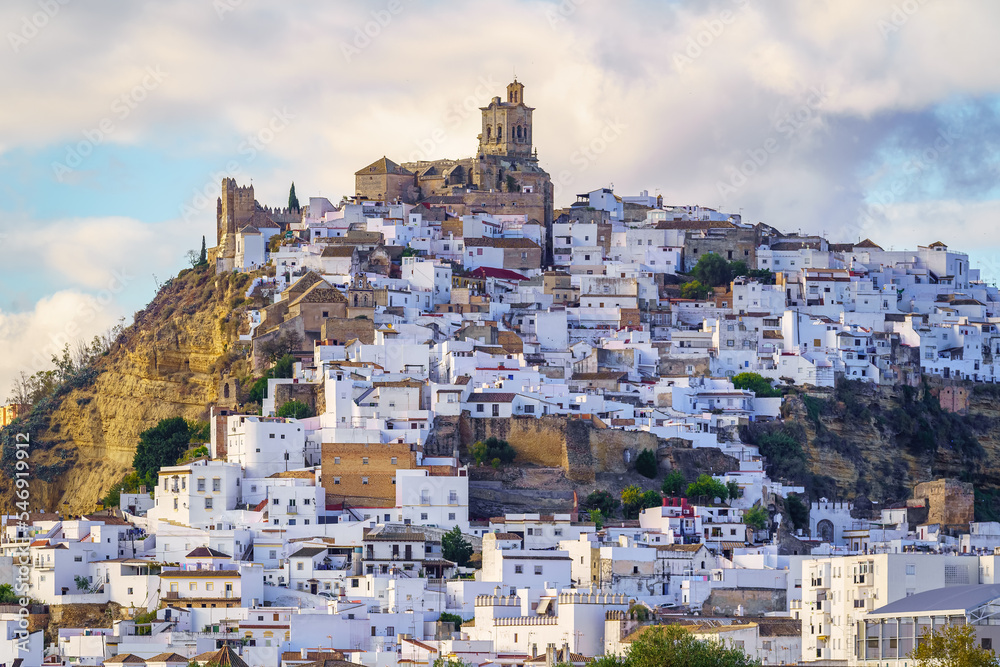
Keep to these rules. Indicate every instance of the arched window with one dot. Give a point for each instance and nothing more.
(499, 133)
(355, 299)
(225, 391)
(518, 132)
(488, 132)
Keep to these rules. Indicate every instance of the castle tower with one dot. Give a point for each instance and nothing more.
(234, 209)
(506, 127)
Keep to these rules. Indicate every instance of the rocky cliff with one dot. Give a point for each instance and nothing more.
(168, 363)
(876, 443)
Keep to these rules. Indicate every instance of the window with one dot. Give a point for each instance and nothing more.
(209, 586)
(336, 460)
(192, 586)
(271, 436)
(451, 516)
(299, 565)
(364, 481)
(364, 460)
(208, 503)
(336, 480)
(201, 484)
(538, 569)
(216, 484)
(911, 568)
(479, 407)
(518, 569)
(393, 460)
(77, 559)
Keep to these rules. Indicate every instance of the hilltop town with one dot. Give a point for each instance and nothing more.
(452, 422)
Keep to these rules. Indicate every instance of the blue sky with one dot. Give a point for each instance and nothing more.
(849, 101)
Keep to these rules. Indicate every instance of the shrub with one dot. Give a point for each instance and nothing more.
(295, 409)
(645, 464)
(603, 501)
(674, 483)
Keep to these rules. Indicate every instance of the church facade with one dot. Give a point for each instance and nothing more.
(503, 178)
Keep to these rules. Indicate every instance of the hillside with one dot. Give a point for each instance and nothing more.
(168, 363)
(874, 443)
(854, 442)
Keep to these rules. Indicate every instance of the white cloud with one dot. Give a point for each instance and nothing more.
(30, 339)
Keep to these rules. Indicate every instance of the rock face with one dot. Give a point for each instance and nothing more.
(168, 363)
(878, 443)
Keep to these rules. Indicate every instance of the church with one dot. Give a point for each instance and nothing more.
(503, 178)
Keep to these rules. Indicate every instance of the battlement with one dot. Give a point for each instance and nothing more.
(526, 620)
(498, 601)
(593, 598)
(824, 505)
(614, 615)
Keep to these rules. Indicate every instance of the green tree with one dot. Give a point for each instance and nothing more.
(597, 517)
(113, 498)
(160, 446)
(455, 547)
(694, 289)
(798, 511)
(711, 270)
(7, 594)
(756, 383)
(450, 662)
(954, 646)
(756, 517)
(295, 409)
(634, 500)
(499, 449)
(203, 257)
(674, 483)
(738, 268)
(454, 619)
(706, 488)
(734, 490)
(645, 464)
(258, 390)
(284, 367)
(293, 201)
(478, 450)
(601, 500)
(673, 646)
(650, 498)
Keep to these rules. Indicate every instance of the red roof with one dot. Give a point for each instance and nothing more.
(490, 272)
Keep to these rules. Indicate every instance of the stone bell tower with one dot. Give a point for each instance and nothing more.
(506, 127)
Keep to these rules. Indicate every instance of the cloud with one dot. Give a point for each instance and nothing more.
(29, 339)
(696, 88)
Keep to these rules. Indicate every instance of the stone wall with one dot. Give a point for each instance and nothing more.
(755, 601)
(305, 393)
(954, 399)
(949, 502)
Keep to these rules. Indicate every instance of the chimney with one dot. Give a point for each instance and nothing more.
(565, 654)
(550, 655)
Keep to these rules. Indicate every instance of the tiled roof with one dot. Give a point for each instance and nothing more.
(338, 251)
(500, 243)
(206, 552)
(125, 659)
(499, 397)
(318, 294)
(602, 375)
(382, 166)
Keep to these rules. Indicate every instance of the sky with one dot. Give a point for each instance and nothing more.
(853, 118)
